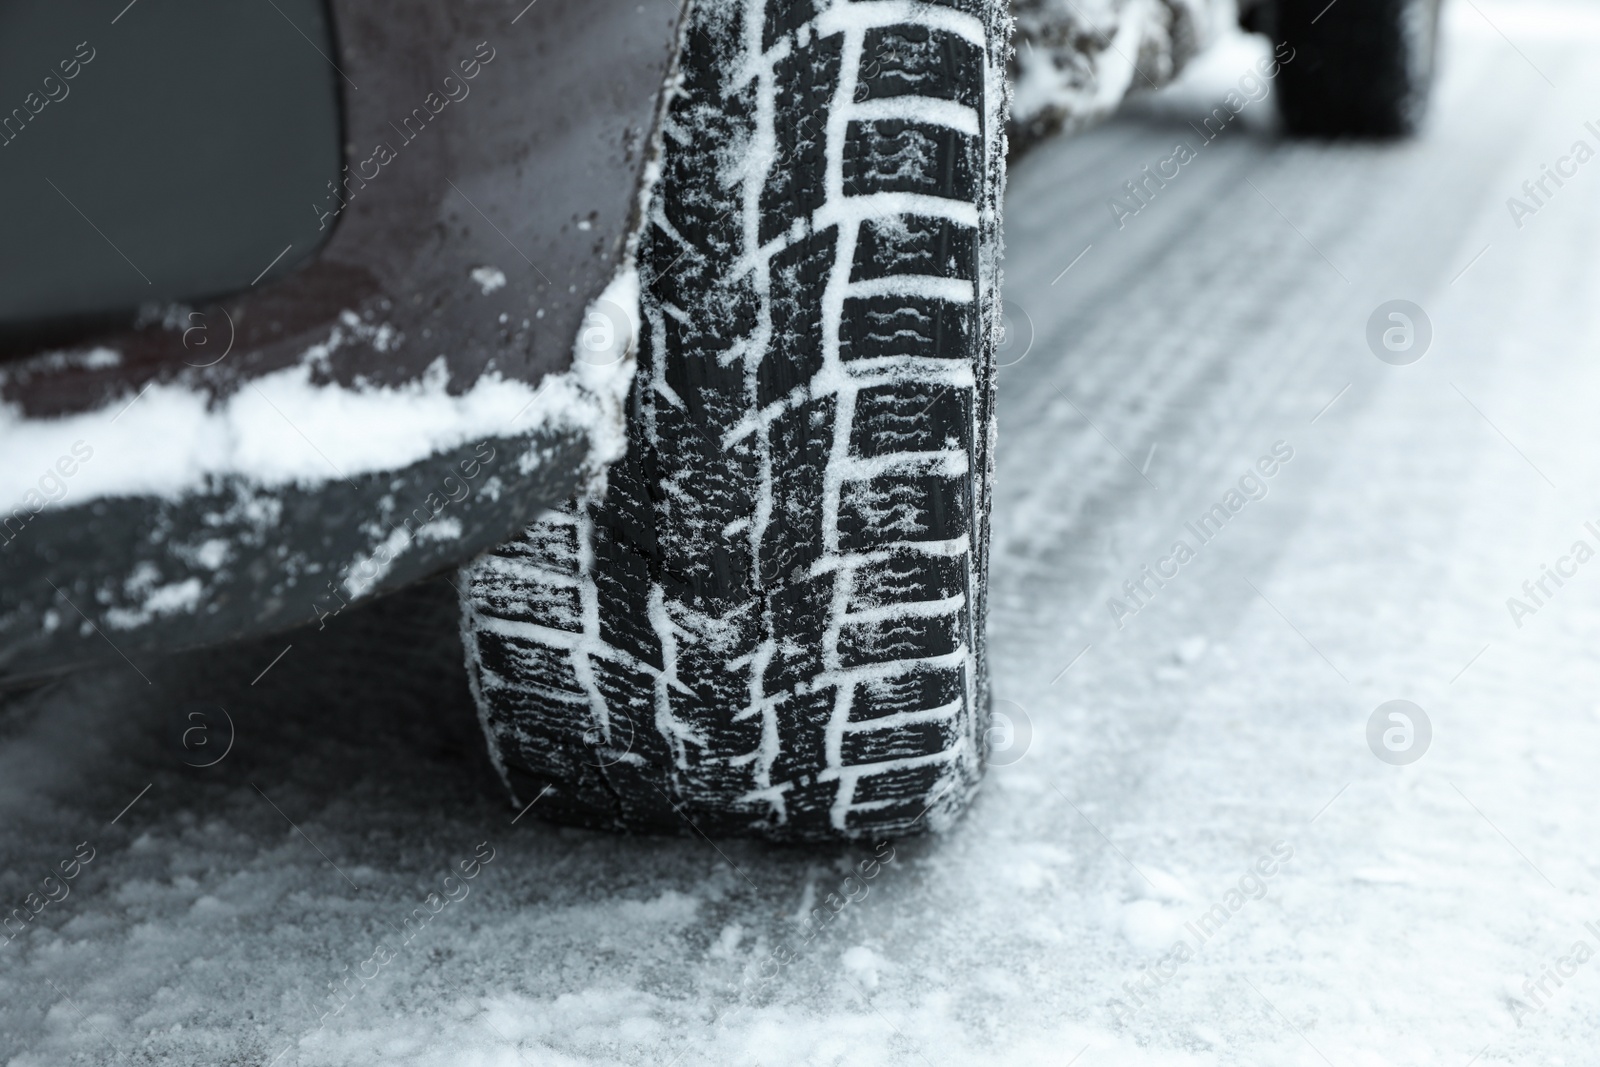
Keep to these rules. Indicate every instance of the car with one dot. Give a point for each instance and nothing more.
(666, 332)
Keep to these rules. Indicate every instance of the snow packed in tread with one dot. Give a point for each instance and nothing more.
(771, 621)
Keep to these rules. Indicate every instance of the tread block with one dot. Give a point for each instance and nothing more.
(800, 613)
(912, 60)
(674, 268)
(699, 491)
(809, 809)
(925, 327)
(706, 789)
(554, 606)
(909, 816)
(783, 17)
(622, 584)
(796, 183)
(906, 637)
(714, 320)
(915, 244)
(703, 60)
(901, 742)
(706, 642)
(802, 736)
(914, 784)
(683, 439)
(794, 355)
(705, 216)
(705, 211)
(716, 577)
(906, 577)
(916, 690)
(898, 156)
(711, 392)
(896, 508)
(630, 520)
(911, 417)
(707, 231)
(533, 670)
(803, 437)
(712, 764)
(550, 543)
(526, 597)
(630, 702)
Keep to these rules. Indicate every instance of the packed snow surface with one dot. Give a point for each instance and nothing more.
(345, 885)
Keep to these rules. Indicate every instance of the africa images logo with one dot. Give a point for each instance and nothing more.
(1141, 590)
(1539, 590)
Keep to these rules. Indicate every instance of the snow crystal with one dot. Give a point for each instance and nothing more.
(212, 554)
(163, 600)
(441, 530)
(489, 278)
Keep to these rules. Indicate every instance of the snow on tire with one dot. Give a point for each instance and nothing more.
(771, 621)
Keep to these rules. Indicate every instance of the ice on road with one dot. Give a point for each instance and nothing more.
(1190, 765)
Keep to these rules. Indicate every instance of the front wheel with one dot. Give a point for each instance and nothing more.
(1361, 68)
(771, 622)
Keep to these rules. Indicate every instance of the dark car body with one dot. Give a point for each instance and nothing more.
(489, 156)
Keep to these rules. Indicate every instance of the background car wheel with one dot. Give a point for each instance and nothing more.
(1361, 68)
(772, 621)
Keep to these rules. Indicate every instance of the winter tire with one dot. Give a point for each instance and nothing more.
(1361, 68)
(770, 622)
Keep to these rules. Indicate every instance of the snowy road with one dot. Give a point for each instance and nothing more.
(1200, 773)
